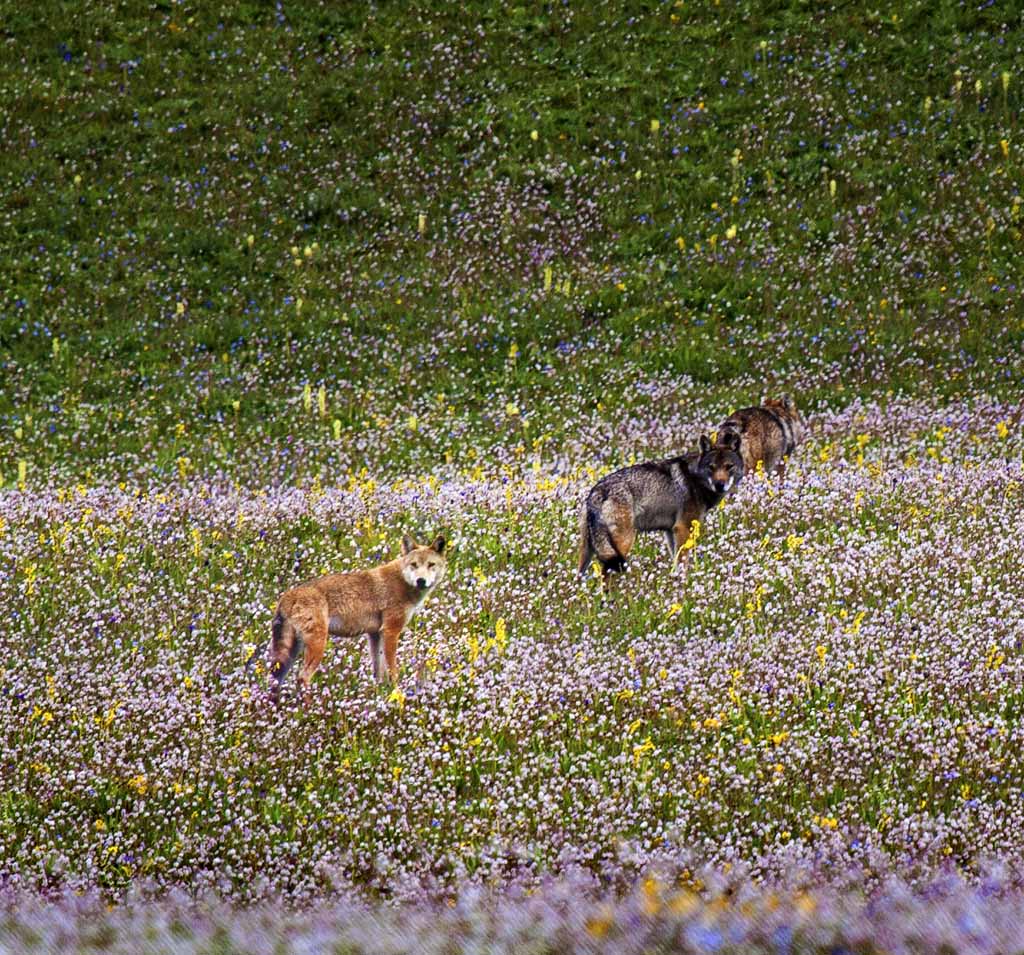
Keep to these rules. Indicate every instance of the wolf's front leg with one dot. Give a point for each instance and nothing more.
(393, 626)
(315, 644)
(680, 539)
(376, 656)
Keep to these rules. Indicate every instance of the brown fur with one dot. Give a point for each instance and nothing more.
(768, 433)
(377, 602)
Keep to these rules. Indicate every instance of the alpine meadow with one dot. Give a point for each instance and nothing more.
(288, 288)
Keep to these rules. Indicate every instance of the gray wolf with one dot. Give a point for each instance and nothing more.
(768, 434)
(666, 496)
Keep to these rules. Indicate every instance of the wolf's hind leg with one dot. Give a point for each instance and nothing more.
(316, 643)
(285, 643)
(610, 569)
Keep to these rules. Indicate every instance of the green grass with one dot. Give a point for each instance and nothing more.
(142, 165)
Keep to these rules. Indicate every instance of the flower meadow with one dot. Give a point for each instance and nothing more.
(834, 693)
(571, 915)
(282, 284)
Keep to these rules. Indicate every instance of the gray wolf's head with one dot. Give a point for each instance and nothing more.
(720, 467)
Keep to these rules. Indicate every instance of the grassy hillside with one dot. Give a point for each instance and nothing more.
(435, 214)
(284, 281)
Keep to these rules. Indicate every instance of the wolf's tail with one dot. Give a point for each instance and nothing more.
(597, 540)
(275, 640)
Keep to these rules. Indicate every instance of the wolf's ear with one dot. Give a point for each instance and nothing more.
(705, 444)
(788, 403)
(439, 544)
(408, 544)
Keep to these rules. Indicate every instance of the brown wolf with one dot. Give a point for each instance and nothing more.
(377, 602)
(767, 434)
(666, 496)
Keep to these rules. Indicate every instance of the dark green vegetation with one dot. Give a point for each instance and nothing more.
(205, 208)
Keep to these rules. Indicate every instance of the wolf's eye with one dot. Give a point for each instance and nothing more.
(431, 566)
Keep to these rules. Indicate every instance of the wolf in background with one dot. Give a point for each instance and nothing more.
(768, 433)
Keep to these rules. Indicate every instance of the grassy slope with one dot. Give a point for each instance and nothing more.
(146, 145)
(143, 148)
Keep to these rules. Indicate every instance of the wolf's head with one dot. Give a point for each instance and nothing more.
(423, 565)
(785, 407)
(720, 467)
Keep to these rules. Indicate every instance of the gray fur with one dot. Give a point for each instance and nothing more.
(656, 496)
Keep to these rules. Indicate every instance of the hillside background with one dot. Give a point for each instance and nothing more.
(440, 215)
